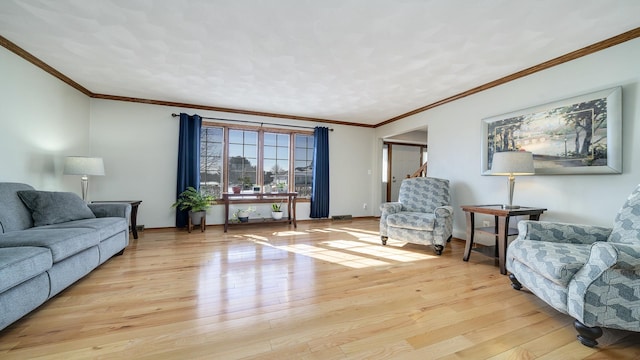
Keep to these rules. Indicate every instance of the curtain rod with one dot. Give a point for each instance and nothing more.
(252, 122)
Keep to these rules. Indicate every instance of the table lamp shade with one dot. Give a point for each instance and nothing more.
(82, 165)
(85, 166)
(512, 163)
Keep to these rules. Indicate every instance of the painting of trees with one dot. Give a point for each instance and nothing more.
(565, 137)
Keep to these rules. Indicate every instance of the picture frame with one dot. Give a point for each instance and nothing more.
(577, 135)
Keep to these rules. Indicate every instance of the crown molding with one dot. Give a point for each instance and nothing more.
(616, 40)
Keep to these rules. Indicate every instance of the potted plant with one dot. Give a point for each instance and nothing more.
(276, 211)
(195, 202)
(242, 215)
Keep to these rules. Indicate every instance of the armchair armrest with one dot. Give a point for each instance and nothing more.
(391, 207)
(111, 210)
(443, 211)
(561, 232)
(604, 291)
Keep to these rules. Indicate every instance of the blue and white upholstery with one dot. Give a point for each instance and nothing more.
(591, 273)
(422, 214)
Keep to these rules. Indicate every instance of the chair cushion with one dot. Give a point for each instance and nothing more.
(556, 262)
(423, 194)
(412, 220)
(51, 207)
(626, 227)
(19, 264)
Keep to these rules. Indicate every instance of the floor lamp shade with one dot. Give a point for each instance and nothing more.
(511, 163)
(85, 166)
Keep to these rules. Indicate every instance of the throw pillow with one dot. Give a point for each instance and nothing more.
(50, 207)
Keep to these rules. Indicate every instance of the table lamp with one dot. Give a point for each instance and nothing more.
(511, 163)
(85, 166)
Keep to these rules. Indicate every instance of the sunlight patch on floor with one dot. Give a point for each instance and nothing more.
(379, 251)
(337, 257)
(356, 248)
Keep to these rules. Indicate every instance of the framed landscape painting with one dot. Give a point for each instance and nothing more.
(579, 135)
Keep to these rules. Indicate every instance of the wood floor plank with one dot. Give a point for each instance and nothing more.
(326, 290)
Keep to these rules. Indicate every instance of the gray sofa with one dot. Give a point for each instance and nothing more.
(48, 241)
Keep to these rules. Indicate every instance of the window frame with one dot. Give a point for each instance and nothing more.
(261, 130)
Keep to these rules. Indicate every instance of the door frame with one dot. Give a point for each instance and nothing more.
(390, 161)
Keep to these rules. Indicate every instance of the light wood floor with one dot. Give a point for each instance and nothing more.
(327, 290)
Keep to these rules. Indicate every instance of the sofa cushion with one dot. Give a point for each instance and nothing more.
(19, 264)
(14, 215)
(61, 242)
(412, 220)
(51, 207)
(556, 262)
(106, 227)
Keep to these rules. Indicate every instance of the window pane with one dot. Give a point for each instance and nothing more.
(303, 165)
(270, 139)
(276, 162)
(211, 151)
(243, 153)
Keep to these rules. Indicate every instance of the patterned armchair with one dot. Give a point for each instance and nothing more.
(591, 273)
(422, 214)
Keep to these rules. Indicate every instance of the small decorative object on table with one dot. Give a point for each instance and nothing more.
(276, 211)
(243, 214)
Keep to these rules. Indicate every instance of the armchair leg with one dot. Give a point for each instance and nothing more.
(438, 249)
(514, 282)
(384, 240)
(587, 335)
(449, 239)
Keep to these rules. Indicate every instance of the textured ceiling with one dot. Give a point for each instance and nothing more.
(362, 61)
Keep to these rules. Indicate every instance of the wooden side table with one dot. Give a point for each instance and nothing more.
(253, 198)
(134, 213)
(501, 230)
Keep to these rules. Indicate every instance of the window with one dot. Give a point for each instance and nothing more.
(211, 155)
(246, 157)
(276, 161)
(303, 164)
(243, 158)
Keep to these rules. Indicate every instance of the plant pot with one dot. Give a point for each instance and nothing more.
(243, 216)
(276, 215)
(236, 189)
(196, 217)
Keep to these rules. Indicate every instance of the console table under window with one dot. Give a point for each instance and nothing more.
(253, 198)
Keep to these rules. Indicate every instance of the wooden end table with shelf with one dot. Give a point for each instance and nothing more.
(501, 230)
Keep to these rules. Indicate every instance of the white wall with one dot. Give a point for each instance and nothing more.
(42, 120)
(455, 133)
(139, 145)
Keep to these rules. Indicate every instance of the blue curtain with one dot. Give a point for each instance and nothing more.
(188, 160)
(320, 194)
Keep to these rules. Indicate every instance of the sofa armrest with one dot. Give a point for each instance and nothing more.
(561, 232)
(111, 210)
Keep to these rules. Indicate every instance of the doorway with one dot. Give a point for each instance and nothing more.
(399, 162)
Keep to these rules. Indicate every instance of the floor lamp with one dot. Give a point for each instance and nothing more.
(511, 163)
(85, 166)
